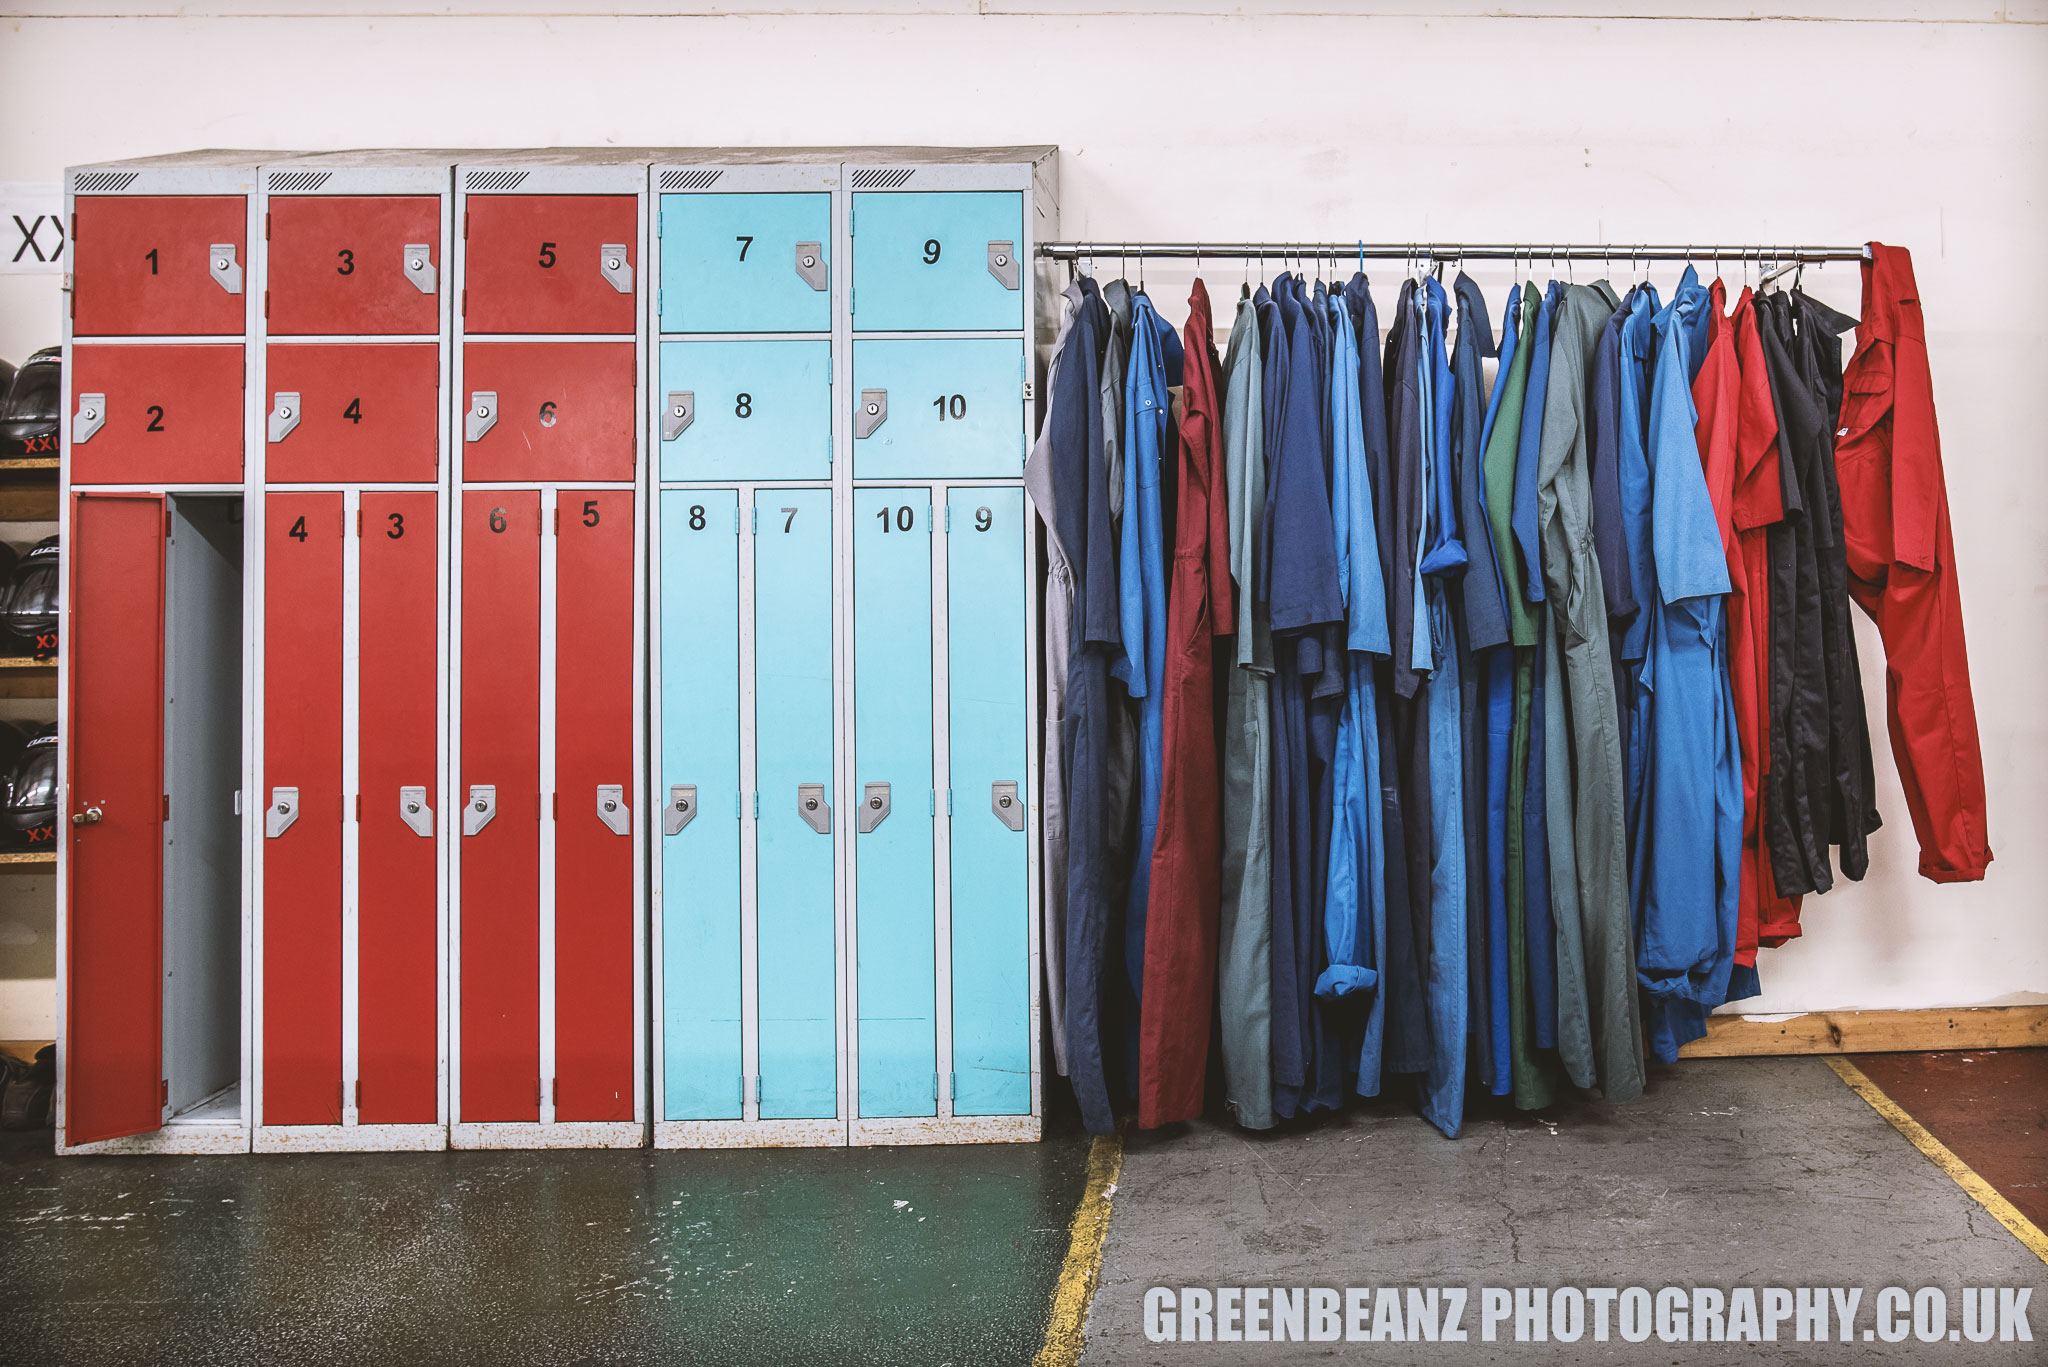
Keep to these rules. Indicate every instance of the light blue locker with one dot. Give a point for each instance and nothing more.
(792, 535)
(746, 410)
(746, 263)
(939, 262)
(700, 787)
(894, 824)
(987, 676)
(938, 409)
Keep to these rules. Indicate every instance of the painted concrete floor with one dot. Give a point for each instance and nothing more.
(1729, 1172)
(1990, 1106)
(883, 1256)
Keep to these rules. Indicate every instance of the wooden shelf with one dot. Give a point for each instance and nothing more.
(28, 861)
(49, 463)
(22, 676)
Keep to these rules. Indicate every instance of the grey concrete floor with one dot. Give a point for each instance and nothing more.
(1729, 1172)
(884, 1256)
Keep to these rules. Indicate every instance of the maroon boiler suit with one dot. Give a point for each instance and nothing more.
(1902, 569)
(1180, 929)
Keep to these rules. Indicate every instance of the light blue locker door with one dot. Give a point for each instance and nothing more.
(792, 535)
(700, 791)
(939, 262)
(746, 410)
(987, 673)
(746, 263)
(938, 409)
(892, 772)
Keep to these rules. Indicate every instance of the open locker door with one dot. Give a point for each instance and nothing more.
(114, 928)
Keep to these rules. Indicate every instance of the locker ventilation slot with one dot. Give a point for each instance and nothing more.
(105, 182)
(493, 180)
(697, 178)
(882, 177)
(299, 181)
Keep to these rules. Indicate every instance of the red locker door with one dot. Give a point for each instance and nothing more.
(144, 266)
(339, 265)
(363, 414)
(169, 414)
(302, 801)
(500, 938)
(547, 411)
(537, 263)
(595, 790)
(397, 937)
(114, 932)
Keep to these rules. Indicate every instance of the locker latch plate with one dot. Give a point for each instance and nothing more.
(1004, 802)
(813, 808)
(811, 265)
(874, 807)
(223, 267)
(481, 807)
(284, 415)
(681, 809)
(613, 265)
(419, 266)
(1002, 264)
(90, 418)
(282, 812)
(612, 809)
(482, 415)
(414, 811)
(874, 411)
(679, 414)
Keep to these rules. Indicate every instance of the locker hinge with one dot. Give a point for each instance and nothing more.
(757, 1089)
(163, 1091)
(949, 517)
(952, 1087)
(359, 1094)
(735, 522)
(359, 809)
(465, 225)
(554, 1093)
(851, 215)
(851, 306)
(555, 523)
(743, 1091)
(266, 303)
(949, 801)
(554, 806)
(657, 291)
(931, 802)
(756, 522)
(930, 523)
(167, 806)
(757, 806)
(465, 296)
(935, 1086)
(539, 1093)
(266, 225)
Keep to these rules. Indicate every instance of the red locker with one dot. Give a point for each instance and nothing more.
(547, 411)
(594, 966)
(499, 1044)
(538, 263)
(144, 265)
(303, 811)
(114, 927)
(166, 414)
(364, 414)
(339, 265)
(398, 971)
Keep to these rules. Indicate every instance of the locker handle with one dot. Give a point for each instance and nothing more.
(284, 415)
(223, 267)
(874, 411)
(482, 415)
(613, 265)
(90, 418)
(1004, 802)
(680, 413)
(812, 266)
(874, 807)
(681, 809)
(812, 807)
(419, 266)
(415, 813)
(612, 809)
(1002, 264)
(282, 812)
(481, 807)
(91, 816)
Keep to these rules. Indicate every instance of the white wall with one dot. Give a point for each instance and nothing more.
(1926, 125)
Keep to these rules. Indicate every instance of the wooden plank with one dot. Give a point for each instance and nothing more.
(28, 861)
(21, 677)
(28, 502)
(1873, 1032)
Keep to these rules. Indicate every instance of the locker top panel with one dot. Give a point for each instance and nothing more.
(554, 171)
(340, 173)
(184, 173)
(744, 179)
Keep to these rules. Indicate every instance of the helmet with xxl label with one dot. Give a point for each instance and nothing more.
(32, 406)
(28, 810)
(29, 606)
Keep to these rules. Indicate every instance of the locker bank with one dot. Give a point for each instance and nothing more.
(554, 650)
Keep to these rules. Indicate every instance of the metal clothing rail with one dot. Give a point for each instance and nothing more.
(1449, 251)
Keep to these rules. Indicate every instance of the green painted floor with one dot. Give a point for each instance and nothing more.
(886, 1256)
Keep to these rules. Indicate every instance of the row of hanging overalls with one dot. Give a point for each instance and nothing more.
(1413, 723)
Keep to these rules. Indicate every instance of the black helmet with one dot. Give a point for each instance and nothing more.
(29, 607)
(28, 814)
(32, 406)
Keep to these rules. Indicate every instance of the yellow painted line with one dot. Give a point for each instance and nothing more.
(1070, 1299)
(1938, 1153)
